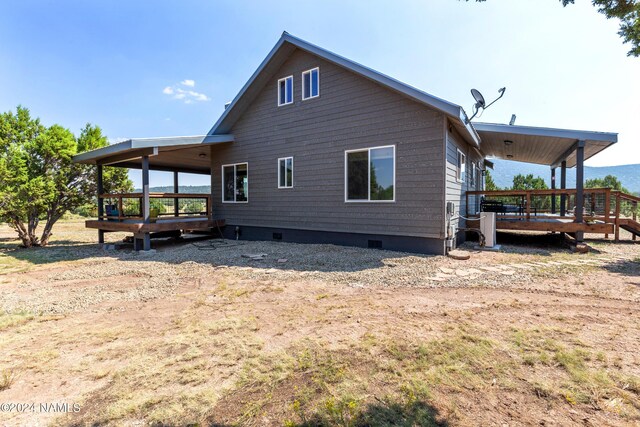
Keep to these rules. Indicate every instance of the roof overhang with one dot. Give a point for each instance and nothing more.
(544, 146)
(190, 154)
(283, 49)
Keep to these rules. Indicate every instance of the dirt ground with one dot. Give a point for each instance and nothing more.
(317, 334)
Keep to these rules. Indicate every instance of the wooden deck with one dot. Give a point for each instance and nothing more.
(605, 211)
(153, 215)
(161, 225)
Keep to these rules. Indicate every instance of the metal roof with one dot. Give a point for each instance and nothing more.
(174, 153)
(287, 45)
(545, 146)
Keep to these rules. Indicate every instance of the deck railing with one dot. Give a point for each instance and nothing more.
(123, 206)
(600, 204)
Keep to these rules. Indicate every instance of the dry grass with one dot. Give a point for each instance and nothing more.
(239, 346)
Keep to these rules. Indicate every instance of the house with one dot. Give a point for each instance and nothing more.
(317, 148)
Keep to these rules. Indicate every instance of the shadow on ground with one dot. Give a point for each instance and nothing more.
(417, 413)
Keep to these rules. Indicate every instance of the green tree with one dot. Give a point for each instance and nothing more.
(608, 181)
(489, 183)
(627, 11)
(528, 182)
(38, 179)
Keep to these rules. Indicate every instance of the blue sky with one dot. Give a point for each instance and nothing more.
(160, 68)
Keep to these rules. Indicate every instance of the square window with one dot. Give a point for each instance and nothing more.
(370, 175)
(285, 91)
(311, 83)
(235, 183)
(285, 172)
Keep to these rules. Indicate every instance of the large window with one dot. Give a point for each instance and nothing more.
(311, 83)
(285, 172)
(370, 174)
(462, 166)
(285, 91)
(235, 183)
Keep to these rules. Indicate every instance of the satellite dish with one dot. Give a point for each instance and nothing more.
(480, 103)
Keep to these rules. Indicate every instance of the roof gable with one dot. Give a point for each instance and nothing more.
(283, 50)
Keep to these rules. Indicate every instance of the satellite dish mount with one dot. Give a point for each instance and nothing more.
(481, 103)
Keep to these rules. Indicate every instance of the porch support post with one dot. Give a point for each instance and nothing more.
(563, 186)
(146, 213)
(176, 188)
(553, 187)
(100, 187)
(580, 187)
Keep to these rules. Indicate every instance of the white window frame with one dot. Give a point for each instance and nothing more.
(461, 166)
(285, 91)
(478, 176)
(285, 165)
(472, 180)
(346, 177)
(234, 182)
(303, 85)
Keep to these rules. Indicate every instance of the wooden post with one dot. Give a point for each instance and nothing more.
(635, 216)
(100, 187)
(553, 187)
(528, 205)
(607, 208)
(120, 208)
(563, 186)
(580, 188)
(176, 201)
(146, 214)
(617, 236)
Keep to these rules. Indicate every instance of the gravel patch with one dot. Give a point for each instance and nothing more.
(157, 275)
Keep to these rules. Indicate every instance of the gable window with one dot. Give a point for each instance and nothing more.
(285, 91)
(370, 174)
(311, 83)
(462, 166)
(235, 183)
(285, 172)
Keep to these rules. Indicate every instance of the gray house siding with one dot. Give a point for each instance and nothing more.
(351, 113)
(455, 189)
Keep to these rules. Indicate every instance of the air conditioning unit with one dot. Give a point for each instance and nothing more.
(488, 229)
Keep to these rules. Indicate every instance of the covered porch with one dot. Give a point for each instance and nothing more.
(149, 215)
(575, 211)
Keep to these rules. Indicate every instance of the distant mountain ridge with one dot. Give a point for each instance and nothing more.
(504, 171)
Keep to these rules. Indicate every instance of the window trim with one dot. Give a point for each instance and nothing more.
(234, 182)
(285, 90)
(472, 180)
(459, 176)
(285, 165)
(303, 85)
(346, 183)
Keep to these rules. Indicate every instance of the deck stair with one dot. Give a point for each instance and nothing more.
(631, 226)
(627, 214)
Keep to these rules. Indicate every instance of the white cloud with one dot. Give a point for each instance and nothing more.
(188, 96)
